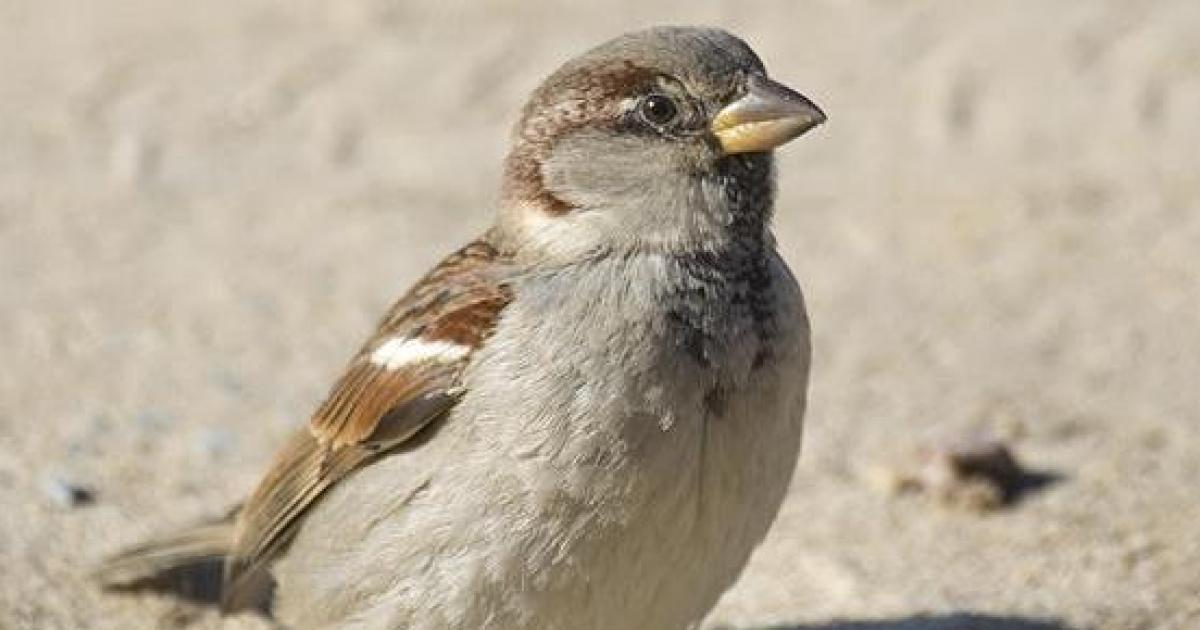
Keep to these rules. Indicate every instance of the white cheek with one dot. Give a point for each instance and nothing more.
(400, 351)
(564, 237)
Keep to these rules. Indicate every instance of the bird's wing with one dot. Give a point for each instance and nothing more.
(405, 378)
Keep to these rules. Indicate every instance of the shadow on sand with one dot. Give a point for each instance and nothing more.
(949, 621)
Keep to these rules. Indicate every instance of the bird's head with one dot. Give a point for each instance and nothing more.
(657, 140)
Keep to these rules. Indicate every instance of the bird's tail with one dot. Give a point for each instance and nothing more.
(188, 564)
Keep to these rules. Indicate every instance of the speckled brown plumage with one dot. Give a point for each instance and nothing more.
(372, 408)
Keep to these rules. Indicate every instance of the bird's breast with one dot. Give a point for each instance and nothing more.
(652, 417)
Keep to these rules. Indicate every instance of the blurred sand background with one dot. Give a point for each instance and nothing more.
(205, 205)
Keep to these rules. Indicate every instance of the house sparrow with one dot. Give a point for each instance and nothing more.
(587, 418)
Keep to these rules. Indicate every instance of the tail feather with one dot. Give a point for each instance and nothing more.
(189, 564)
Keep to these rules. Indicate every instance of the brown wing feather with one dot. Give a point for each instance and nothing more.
(372, 409)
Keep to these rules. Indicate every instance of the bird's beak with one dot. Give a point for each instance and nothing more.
(768, 115)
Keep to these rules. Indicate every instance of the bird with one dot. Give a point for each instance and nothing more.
(588, 417)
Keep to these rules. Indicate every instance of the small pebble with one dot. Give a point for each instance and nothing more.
(67, 494)
(229, 382)
(976, 473)
(215, 442)
(151, 421)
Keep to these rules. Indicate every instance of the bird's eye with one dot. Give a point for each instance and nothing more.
(658, 110)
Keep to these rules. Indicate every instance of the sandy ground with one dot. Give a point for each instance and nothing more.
(205, 205)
